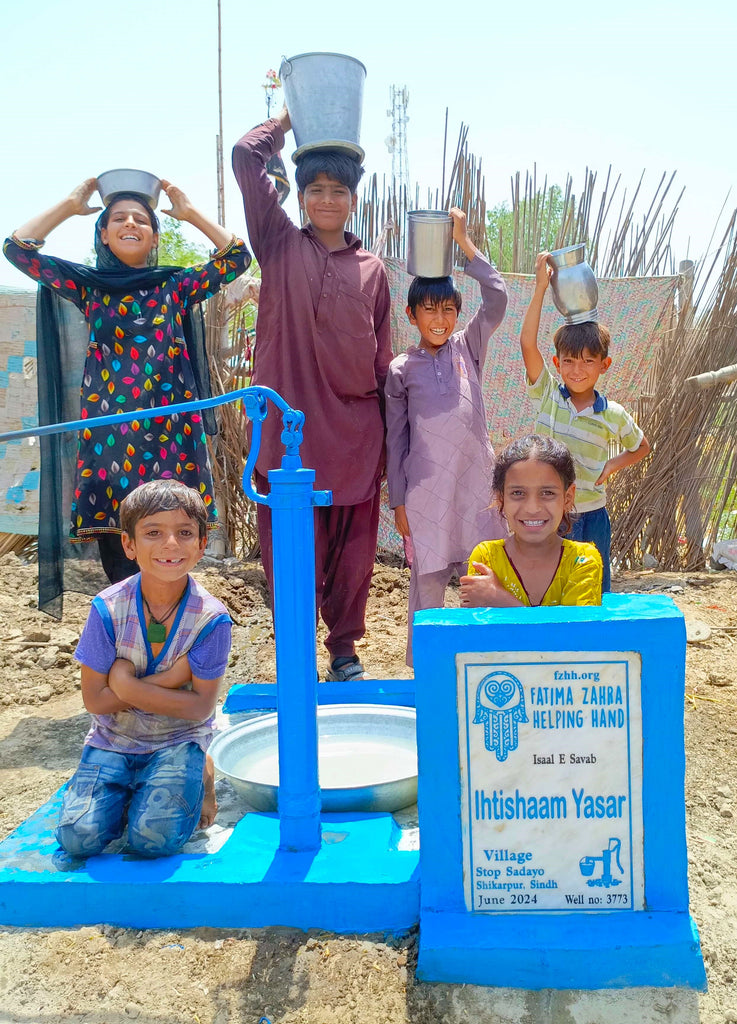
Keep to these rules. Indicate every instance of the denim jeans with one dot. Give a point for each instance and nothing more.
(596, 528)
(158, 794)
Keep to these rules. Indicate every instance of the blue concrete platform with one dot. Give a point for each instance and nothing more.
(358, 881)
(553, 951)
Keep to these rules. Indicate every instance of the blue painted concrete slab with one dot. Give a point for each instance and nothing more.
(358, 881)
(553, 951)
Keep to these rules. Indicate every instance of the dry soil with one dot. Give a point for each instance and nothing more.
(108, 975)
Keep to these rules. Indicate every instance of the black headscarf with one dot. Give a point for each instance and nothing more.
(62, 339)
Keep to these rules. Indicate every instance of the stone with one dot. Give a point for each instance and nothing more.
(38, 636)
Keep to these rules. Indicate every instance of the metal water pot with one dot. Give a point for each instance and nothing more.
(324, 97)
(128, 179)
(429, 243)
(574, 287)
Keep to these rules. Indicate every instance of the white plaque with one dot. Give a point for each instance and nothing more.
(551, 781)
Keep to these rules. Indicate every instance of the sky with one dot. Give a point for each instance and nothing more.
(638, 85)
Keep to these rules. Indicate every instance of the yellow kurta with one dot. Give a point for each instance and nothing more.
(577, 579)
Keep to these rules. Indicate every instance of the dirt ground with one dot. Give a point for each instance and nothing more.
(106, 975)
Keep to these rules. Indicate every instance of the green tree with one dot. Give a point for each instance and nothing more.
(177, 251)
(538, 219)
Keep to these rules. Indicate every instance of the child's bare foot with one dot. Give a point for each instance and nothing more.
(209, 802)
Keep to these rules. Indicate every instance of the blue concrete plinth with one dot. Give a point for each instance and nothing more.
(358, 881)
(555, 951)
(653, 944)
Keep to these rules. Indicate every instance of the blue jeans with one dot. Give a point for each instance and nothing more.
(596, 528)
(159, 794)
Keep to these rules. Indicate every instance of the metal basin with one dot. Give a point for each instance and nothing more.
(367, 757)
(127, 179)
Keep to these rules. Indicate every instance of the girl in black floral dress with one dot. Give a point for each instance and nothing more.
(138, 354)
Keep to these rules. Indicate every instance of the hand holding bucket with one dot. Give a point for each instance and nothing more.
(429, 243)
(573, 284)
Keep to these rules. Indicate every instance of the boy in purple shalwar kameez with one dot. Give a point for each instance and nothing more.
(324, 344)
(440, 462)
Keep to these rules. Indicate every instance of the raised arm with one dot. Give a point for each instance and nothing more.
(182, 209)
(460, 233)
(493, 306)
(534, 362)
(76, 203)
(265, 217)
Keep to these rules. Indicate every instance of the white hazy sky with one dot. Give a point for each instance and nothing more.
(89, 84)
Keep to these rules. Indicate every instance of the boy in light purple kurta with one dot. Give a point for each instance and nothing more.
(440, 461)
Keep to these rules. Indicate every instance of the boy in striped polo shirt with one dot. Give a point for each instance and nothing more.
(574, 412)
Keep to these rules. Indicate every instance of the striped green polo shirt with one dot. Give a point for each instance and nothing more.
(588, 433)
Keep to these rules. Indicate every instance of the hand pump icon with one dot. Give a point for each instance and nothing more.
(605, 879)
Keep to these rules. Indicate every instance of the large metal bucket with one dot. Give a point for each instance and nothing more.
(429, 243)
(574, 287)
(324, 97)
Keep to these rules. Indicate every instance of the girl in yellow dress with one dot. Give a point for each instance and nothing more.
(534, 484)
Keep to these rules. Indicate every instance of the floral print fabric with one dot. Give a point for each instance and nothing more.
(137, 358)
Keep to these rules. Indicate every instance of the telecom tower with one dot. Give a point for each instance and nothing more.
(396, 143)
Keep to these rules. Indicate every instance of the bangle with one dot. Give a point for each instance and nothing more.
(27, 243)
(219, 253)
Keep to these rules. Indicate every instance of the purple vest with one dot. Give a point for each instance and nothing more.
(121, 609)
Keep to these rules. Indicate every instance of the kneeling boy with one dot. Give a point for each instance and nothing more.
(153, 652)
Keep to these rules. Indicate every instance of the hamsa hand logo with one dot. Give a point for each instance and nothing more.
(500, 706)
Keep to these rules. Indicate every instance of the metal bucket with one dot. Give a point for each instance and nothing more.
(324, 97)
(127, 179)
(429, 243)
(574, 287)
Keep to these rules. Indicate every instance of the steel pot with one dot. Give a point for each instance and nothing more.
(429, 243)
(574, 287)
(126, 179)
(324, 97)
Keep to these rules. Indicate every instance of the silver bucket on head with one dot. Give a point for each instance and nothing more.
(573, 284)
(429, 243)
(324, 97)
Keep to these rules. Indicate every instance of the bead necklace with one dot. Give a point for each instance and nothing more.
(156, 629)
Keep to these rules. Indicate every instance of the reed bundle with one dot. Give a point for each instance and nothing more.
(683, 498)
(380, 218)
(229, 338)
(548, 217)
